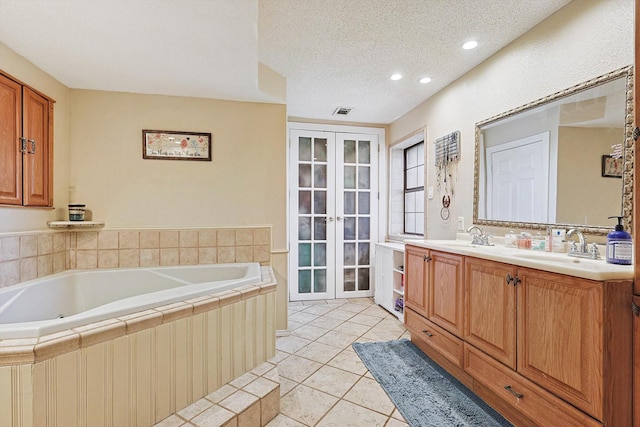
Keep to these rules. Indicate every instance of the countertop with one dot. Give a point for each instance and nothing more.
(548, 261)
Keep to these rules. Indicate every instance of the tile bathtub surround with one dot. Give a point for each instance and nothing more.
(26, 256)
(153, 248)
(322, 380)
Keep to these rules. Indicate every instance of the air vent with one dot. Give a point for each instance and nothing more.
(342, 111)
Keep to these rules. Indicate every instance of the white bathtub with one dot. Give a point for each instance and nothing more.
(76, 298)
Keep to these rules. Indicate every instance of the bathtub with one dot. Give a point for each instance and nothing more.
(76, 298)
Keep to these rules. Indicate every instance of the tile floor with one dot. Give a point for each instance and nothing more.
(322, 380)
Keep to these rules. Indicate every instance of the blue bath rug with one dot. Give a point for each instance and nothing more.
(424, 393)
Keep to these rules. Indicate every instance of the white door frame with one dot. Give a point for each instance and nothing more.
(381, 181)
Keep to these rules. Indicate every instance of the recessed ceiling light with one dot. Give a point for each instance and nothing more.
(396, 76)
(470, 45)
(425, 80)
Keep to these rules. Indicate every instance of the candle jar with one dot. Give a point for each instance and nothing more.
(76, 212)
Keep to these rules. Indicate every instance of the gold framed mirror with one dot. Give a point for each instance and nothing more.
(542, 163)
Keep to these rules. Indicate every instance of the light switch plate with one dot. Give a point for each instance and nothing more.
(460, 223)
(430, 193)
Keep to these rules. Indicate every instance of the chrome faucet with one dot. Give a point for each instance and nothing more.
(478, 238)
(580, 249)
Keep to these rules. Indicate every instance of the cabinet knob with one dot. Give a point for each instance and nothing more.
(427, 333)
(33, 146)
(23, 144)
(635, 308)
(427, 258)
(512, 391)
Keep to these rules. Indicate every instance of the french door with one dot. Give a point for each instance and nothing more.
(333, 214)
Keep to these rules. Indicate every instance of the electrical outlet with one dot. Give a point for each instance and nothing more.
(460, 223)
(430, 193)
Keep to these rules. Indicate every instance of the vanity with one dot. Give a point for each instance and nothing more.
(544, 338)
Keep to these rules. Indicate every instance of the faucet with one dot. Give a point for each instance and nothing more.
(580, 249)
(478, 238)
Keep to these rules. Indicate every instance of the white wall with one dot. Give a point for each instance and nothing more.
(583, 40)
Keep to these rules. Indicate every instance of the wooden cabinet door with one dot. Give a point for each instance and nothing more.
(416, 274)
(560, 329)
(10, 132)
(636, 360)
(445, 291)
(490, 309)
(37, 165)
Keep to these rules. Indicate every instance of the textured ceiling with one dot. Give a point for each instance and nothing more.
(332, 52)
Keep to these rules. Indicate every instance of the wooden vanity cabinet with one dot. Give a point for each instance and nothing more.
(416, 274)
(490, 309)
(26, 138)
(544, 348)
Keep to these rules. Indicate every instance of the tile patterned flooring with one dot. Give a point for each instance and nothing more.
(323, 382)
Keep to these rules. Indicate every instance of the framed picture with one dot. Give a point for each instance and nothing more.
(611, 167)
(176, 145)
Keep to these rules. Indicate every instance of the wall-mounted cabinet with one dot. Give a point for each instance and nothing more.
(26, 139)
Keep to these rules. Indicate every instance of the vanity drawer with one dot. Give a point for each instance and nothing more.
(447, 344)
(531, 400)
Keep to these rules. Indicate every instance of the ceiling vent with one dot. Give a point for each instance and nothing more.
(342, 111)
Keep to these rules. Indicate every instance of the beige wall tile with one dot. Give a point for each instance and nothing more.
(226, 254)
(87, 240)
(149, 239)
(108, 240)
(188, 256)
(214, 416)
(28, 268)
(226, 237)
(261, 254)
(108, 258)
(86, 259)
(9, 248)
(149, 257)
(244, 253)
(188, 238)
(244, 237)
(45, 244)
(207, 238)
(169, 239)
(9, 273)
(60, 241)
(59, 262)
(262, 236)
(270, 406)
(129, 258)
(129, 239)
(45, 265)
(207, 255)
(169, 256)
(28, 246)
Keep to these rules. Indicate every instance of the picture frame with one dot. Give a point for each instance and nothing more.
(176, 145)
(612, 167)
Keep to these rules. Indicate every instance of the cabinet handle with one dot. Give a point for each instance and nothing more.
(427, 333)
(635, 308)
(427, 258)
(512, 391)
(512, 280)
(33, 146)
(23, 144)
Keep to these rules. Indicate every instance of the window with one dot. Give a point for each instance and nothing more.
(406, 187)
(414, 189)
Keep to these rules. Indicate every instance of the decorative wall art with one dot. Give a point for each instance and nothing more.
(612, 167)
(176, 145)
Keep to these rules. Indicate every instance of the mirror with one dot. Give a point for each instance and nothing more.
(549, 162)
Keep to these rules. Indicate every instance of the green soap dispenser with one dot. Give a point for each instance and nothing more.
(619, 246)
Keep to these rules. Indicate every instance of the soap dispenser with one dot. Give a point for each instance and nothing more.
(619, 247)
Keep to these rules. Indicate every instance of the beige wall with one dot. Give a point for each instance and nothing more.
(585, 39)
(27, 219)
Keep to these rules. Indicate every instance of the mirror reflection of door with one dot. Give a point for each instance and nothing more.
(518, 180)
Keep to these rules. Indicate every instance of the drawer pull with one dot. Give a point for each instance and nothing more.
(427, 333)
(635, 309)
(512, 391)
(512, 280)
(427, 258)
